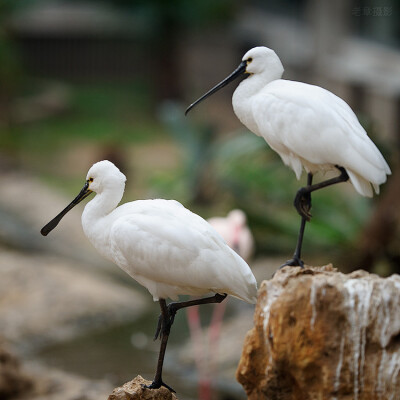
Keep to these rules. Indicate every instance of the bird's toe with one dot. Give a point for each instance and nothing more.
(172, 310)
(302, 203)
(294, 262)
(164, 326)
(156, 384)
(158, 329)
(304, 212)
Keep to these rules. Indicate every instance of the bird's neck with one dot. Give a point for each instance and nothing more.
(247, 89)
(242, 99)
(256, 82)
(101, 206)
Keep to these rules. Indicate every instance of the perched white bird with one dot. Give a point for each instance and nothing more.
(234, 230)
(162, 245)
(308, 126)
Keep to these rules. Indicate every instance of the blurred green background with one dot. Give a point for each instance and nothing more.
(83, 81)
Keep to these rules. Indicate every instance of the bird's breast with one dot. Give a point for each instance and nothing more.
(243, 110)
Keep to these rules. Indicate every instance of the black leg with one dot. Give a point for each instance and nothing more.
(175, 306)
(165, 328)
(165, 321)
(306, 205)
(302, 202)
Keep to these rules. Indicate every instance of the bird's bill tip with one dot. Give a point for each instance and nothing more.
(45, 231)
(189, 108)
(85, 192)
(54, 222)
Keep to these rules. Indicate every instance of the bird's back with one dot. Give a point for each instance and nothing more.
(172, 251)
(313, 128)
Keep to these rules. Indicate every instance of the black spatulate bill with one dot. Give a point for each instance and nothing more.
(85, 192)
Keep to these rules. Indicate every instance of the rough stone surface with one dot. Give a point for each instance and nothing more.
(31, 282)
(53, 384)
(13, 380)
(134, 390)
(32, 380)
(321, 334)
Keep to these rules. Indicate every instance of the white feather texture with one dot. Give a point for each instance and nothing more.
(161, 244)
(308, 126)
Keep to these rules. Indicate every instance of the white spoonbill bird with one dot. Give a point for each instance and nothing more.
(308, 126)
(163, 246)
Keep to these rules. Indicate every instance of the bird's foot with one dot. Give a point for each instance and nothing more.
(156, 384)
(158, 329)
(294, 262)
(165, 326)
(302, 203)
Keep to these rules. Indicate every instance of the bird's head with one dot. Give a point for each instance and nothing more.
(103, 175)
(257, 61)
(261, 59)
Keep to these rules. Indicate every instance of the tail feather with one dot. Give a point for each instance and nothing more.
(361, 185)
(250, 298)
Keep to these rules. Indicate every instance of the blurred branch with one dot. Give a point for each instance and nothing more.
(380, 237)
(197, 145)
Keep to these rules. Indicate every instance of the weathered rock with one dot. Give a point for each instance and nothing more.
(321, 334)
(13, 380)
(134, 390)
(54, 384)
(31, 282)
(32, 380)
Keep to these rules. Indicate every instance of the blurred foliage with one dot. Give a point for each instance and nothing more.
(196, 142)
(90, 120)
(264, 188)
(10, 67)
(243, 171)
(180, 13)
(93, 112)
(9, 63)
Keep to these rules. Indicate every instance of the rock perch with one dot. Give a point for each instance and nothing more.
(134, 390)
(321, 334)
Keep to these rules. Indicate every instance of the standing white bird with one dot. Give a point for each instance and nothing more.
(308, 126)
(163, 246)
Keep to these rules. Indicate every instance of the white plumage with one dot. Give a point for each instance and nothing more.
(311, 127)
(308, 126)
(161, 244)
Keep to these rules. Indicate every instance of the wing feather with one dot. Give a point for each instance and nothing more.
(308, 124)
(168, 244)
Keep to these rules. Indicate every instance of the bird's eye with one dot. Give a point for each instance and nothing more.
(250, 59)
(90, 179)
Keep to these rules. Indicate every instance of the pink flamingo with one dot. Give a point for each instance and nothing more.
(233, 228)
